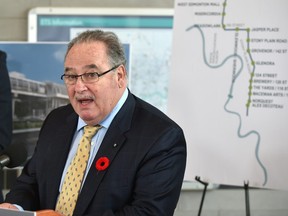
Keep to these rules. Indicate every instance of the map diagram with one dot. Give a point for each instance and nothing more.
(229, 91)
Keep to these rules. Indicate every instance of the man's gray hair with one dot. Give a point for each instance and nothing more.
(115, 50)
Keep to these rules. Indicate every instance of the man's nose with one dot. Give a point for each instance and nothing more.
(79, 85)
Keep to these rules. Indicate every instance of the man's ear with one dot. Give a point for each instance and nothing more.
(122, 76)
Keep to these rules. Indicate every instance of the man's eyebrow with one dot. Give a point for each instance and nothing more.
(91, 66)
(86, 67)
(67, 69)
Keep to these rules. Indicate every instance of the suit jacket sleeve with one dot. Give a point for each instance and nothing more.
(159, 178)
(5, 104)
(37, 187)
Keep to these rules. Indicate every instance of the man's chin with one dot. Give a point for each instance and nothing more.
(89, 118)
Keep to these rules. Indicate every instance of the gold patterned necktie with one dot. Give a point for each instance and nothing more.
(75, 173)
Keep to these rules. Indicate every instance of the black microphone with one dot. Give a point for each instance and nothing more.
(13, 156)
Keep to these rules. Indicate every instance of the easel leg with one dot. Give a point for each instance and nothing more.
(246, 187)
(203, 194)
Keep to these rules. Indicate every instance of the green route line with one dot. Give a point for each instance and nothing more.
(247, 30)
(230, 96)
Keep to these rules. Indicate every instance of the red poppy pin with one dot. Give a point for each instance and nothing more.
(102, 163)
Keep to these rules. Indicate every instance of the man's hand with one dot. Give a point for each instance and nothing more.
(8, 206)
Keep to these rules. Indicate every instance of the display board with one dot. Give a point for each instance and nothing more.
(34, 71)
(147, 31)
(229, 90)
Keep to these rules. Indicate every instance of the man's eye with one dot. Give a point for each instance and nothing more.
(91, 75)
(71, 76)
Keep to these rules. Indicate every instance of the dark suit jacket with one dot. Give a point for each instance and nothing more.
(5, 104)
(147, 153)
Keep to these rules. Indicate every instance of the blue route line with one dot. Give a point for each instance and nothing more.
(230, 96)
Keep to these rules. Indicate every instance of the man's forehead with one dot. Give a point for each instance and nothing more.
(89, 51)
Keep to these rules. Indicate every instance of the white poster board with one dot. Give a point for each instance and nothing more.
(229, 90)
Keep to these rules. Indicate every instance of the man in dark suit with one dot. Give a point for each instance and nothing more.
(137, 159)
(5, 108)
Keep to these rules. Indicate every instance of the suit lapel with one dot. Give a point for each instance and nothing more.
(60, 152)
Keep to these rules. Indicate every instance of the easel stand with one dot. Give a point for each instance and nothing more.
(246, 187)
(197, 178)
